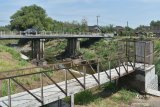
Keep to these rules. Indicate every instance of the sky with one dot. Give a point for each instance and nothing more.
(116, 12)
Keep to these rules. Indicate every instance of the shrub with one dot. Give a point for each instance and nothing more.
(84, 97)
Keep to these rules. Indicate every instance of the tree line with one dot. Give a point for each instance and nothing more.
(36, 17)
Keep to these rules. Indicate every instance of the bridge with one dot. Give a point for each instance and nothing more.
(133, 56)
(49, 35)
(38, 39)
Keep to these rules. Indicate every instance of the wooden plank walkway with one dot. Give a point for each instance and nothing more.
(52, 93)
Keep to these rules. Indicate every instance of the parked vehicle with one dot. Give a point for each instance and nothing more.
(30, 32)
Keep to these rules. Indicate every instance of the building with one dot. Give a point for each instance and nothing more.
(94, 29)
(156, 31)
(119, 30)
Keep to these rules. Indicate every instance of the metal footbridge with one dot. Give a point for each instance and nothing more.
(50, 93)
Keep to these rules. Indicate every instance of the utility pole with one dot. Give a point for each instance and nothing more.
(128, 30)
(97, 19)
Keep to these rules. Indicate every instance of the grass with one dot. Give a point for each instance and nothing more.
(106, 96)
(84, 97)
(10, 59)
(157, 57)
(14, 53)
(54, 48)
(124, 96)
(7, 42)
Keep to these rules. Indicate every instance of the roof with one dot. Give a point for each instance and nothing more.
(119, 28)
(94, 28)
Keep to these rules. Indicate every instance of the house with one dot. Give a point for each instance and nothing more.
(142, 31)
(94, 29)
(156, 31)
(119, 30)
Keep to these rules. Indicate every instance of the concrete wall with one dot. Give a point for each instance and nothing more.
(144, 49)
(151, 79)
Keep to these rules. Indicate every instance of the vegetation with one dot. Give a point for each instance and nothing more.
(36, 17)
(53, 49)
(157, 56)
(84, 97)
(106, 96)
(10, 59)
(155, 23)
(5, 28)
(31, 17)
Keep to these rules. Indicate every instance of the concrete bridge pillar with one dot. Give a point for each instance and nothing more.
(73, 45)
(38, 51)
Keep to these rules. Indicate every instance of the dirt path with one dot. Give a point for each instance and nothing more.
(151, 101)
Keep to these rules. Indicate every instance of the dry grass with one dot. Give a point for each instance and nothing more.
(109, 96)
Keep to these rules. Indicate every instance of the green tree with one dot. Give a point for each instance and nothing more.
(155, 23)
(84, 26)
(5, 28)
(108, 29)
(31, 17)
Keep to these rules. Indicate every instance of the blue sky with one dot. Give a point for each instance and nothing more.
(116, 12)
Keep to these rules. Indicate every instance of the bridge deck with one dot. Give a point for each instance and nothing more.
(52, 93)
(52, 36)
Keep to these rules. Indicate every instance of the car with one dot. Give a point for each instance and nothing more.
(30, 32)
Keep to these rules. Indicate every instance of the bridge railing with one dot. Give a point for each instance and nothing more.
(48, 33)
(12, 77)
(45, 72)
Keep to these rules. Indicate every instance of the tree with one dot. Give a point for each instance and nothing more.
(5, 28)
(155, 23)
(108, 29)
(31, 17)
(84, 26)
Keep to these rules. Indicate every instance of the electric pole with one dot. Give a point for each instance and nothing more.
(97, 20)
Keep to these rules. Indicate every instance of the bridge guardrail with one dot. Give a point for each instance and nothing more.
(48, 33)
(44, 73)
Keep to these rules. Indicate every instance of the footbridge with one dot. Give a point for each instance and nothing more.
(56, 91)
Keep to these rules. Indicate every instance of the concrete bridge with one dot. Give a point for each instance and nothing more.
(38, 39)
(138, 57)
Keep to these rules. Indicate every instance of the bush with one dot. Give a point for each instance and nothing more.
(124, 96)
(84, 97)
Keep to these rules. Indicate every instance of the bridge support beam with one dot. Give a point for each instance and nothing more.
(38, 51)
(73, 45)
